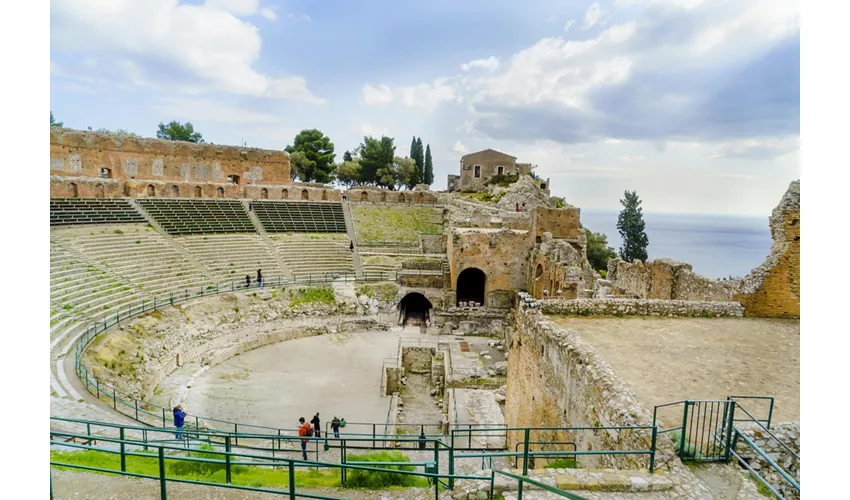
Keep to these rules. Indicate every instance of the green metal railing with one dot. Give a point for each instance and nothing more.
(522, 480)
(758, 474)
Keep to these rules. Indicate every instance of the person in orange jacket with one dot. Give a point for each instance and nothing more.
(304, 431)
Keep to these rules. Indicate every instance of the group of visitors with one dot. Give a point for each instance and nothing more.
(259, 279)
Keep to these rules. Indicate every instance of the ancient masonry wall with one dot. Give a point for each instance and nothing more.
(556, 379)
(642, 307)
(773, 289)
(561, 264)
(666, 279)
(789, 434)
(378, 195)
(417, 359)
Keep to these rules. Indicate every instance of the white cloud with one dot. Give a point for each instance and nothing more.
(459, 148)
(299, 17)
(591, 17)
(490, 64)
(211, 111)
(629, 159)
(183, 47)
(235, 7)
(757, 149)
(268, 14)
(569, 25)
(379, 96)
(368, 129)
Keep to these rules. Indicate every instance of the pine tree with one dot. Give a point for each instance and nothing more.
(631, 227)
(346, 156)
(428, 175)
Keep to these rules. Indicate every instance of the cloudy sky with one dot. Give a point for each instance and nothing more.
(694, 104)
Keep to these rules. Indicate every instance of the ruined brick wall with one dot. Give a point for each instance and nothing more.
(773, 289)
(556, 379)
(642, 307)
(417, 359)
(378, 195)
(561, 222)
(501, 254)
(78, 156)
(561, 264)
(665, 279)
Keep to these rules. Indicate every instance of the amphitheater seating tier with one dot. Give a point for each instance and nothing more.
(314, 254)
(300, 217)
(78, 211)
(199, 216)
(391, 226)
(232, 256)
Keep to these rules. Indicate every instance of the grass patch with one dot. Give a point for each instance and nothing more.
(396, 224)
(118, 231)
(562, 463)
(484, 197)
(382, 291)
(379, 480)
(503, 180)
(311, 295)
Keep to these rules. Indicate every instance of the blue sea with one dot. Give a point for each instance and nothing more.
(716, 246)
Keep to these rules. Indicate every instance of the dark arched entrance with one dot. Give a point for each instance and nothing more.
(414, 309)
(470, 286)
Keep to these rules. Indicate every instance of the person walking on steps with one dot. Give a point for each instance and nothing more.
(335, 426)
(260, 278)
(351, 245)
(304, 431)
(179, 417)
(247, 281)
(317, 424)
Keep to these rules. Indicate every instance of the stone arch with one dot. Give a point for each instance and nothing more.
(401, 197)
(174, 191)
(420, 198)
(151, 191)
(414, 308)
(471, 286)
(325, 194)
(126, 190)
(198, 192)
(383, 196)
(284, 194)
(264, 194)
(75, 191)
(220, 192)
(99, 191)
(364, 196)
(305, 195)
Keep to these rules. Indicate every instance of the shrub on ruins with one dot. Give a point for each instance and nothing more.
(348, 172)
(598, 251)
(319, 152)
(176, 131)
(631, 226)
(503, 180)
(54, 123)
(360, 478)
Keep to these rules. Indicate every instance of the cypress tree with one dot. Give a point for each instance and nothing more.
(428, 176)
(631, 227)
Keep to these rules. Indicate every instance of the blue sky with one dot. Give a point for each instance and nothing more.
(694, 104)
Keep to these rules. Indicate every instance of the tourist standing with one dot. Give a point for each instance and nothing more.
(351, 245)
(335, 426)
(179, 417)
(317, 425)
(303, 431)
(247, 281)
(517, 207)
(259, 277)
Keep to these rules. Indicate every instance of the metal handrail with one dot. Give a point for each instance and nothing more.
(523, 479)
(790, 480)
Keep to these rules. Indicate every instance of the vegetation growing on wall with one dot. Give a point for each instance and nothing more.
(311, 295)
(598, 251)
(382, 291)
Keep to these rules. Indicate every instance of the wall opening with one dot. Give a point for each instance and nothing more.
(542, 185)
(539, 271)
(305, 195)
(401, 198)
(126, 190)
(175, 191)
(420, 198)
(151, 191)
(471, 285)
(364, 196)
(500, 169)
(264, 194)
(198, 192)
(414, 309)
(220, 192)
(105, 173)
(284, 194)
(325, 194)
(99, 191)
(384, 196)
(477, 170)
(75, 192)
(233, 179)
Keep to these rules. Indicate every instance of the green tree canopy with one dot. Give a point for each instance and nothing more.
(319, 151)
(300, 165)
(598, 251)
(348, 173)
(428, 173)
(176, 131)
(347, 156)
(406, 172)
(54, 123)
(377, 155)
(631, 227)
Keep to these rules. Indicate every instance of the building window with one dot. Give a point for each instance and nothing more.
(233, 179)
(477, 170)
(105, 173)
(500, 169)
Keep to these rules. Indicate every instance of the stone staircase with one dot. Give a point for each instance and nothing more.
(230, 257)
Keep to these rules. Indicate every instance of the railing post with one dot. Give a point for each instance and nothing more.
(729, 430)
(373, 436)
(492, 483)
(236, 434)
(469, 440)
(452, 465)
(163, 494)
(114, 400)
(227, 459)
(652, 456)
(97, 388)
(136, 404)
(770, 414)
(123, 458)
(163, 417)
(524, 461)
(684, 431)
(291, 480)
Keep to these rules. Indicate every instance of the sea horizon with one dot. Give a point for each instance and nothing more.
(716, 246)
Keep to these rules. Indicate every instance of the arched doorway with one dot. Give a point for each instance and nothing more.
(420, 198)
(151, 191)
(401, 197)
(75, 192)
(175, 191)
(414, 309)
(384, 196)
(99, 192)
(324, 194)
(264, 194)
(305, 195)
(198, 192)
(364, 196)
(220, 192)
(284, 194)
(471, 285)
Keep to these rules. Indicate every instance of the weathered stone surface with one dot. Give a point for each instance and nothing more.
(641, 307)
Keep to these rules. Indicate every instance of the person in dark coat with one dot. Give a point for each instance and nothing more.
(247, 281)
(259, 277)
(317, 425)
(335, 426)
(351, 245)
(179, 417)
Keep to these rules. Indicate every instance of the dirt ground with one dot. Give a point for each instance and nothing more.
(671, 359)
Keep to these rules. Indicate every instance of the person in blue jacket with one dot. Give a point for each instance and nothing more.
(179, 416)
